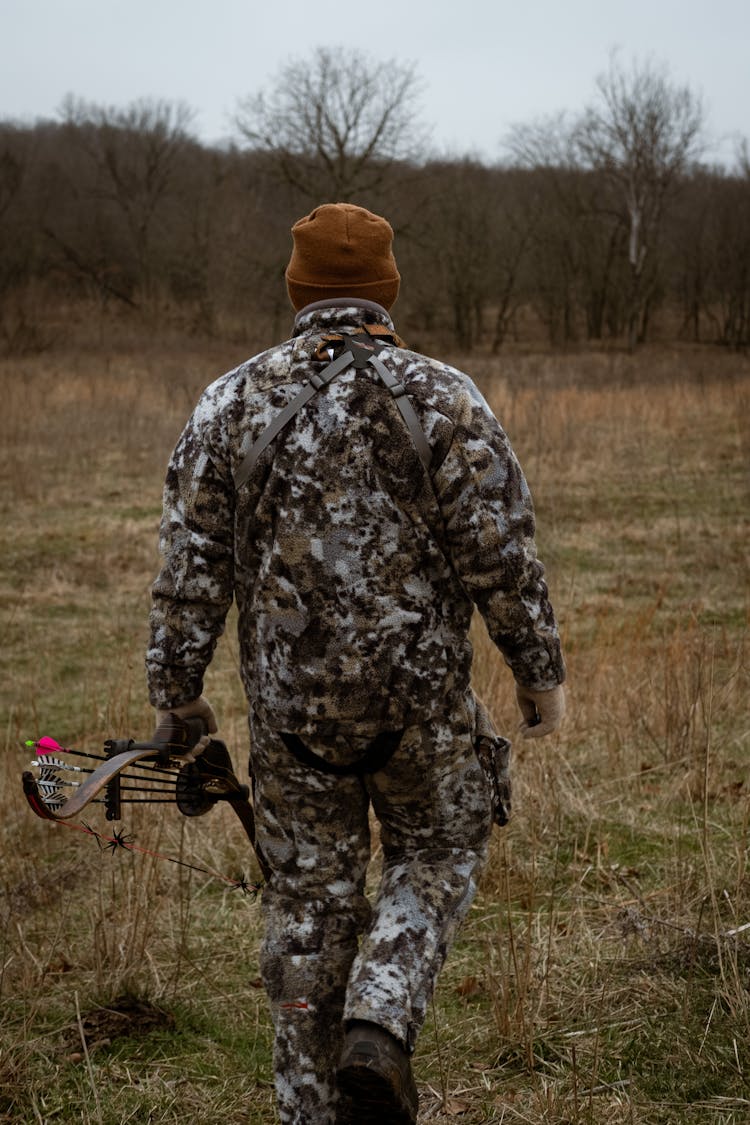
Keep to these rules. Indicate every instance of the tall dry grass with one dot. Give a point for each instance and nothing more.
(603, 974)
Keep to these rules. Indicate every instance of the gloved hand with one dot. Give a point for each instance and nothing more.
(542, 710)
(199, 708)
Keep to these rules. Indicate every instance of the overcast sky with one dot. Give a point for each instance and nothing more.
(485, 64)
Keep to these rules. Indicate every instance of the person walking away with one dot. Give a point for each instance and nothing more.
(357, 500)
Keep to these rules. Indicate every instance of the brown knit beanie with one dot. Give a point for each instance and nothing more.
(342, 251)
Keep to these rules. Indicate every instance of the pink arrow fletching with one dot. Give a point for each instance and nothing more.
(46, 744)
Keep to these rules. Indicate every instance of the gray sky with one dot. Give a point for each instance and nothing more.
(485, 64)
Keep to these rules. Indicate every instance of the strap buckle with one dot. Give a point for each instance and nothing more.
(361, 352)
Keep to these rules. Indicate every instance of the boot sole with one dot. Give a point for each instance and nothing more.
(372, 1097)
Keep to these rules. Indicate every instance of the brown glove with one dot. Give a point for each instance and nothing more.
(542, 710)
(200, 708)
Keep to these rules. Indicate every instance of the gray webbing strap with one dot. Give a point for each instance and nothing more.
(285, 416)
(398, 391)
(315, 383)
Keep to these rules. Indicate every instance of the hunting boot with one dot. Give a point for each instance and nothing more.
(374, 1078)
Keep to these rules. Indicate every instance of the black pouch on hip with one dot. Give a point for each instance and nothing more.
(494, 758)
(494, 754)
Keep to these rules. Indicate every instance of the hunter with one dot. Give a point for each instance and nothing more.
(357, 500)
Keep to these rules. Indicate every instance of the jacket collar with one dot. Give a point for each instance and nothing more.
(339, 313)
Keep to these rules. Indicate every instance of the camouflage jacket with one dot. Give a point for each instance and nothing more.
(355, 572)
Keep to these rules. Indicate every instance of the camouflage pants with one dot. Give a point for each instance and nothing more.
(328, 955)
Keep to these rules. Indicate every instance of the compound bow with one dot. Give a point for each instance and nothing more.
(167, 773)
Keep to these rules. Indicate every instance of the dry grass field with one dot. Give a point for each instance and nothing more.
(604, 973)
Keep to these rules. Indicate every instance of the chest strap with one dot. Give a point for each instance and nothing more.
(359, 355)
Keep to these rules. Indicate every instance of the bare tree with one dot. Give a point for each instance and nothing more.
(20, 255)
(134, 154)
(336, 123)
(570, 264)
(730, 247)
(642, 134)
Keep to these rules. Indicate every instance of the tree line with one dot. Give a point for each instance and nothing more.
(604, 227)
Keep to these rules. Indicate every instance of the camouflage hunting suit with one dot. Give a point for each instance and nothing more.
(355, 574)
